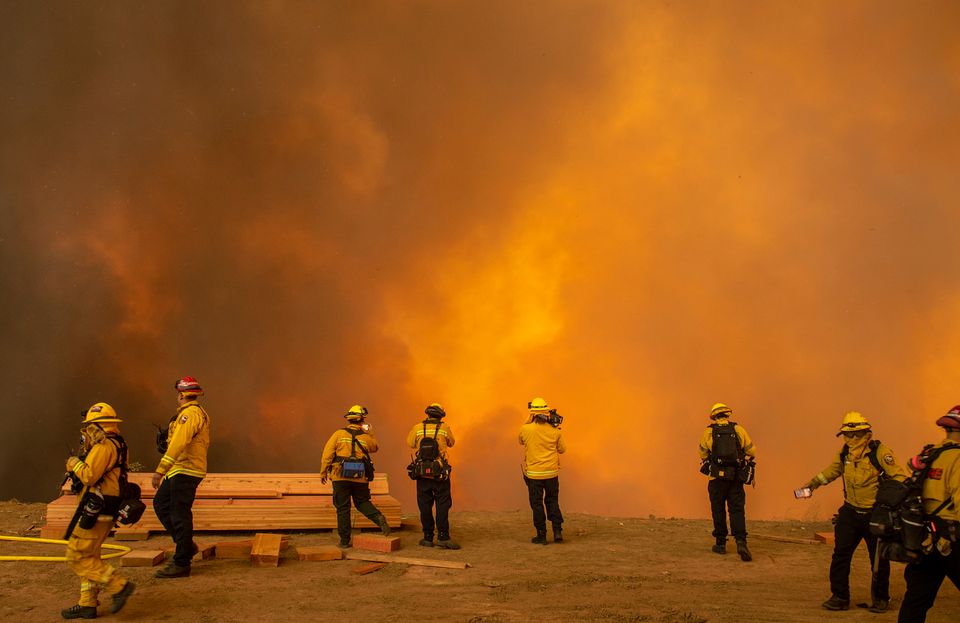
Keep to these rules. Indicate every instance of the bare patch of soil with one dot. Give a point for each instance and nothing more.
(610, 569)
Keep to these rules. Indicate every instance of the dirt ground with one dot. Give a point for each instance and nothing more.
(610, 569)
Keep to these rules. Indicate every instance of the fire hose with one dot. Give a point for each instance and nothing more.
(121, 550)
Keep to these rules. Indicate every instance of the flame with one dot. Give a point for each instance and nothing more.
(633, 211)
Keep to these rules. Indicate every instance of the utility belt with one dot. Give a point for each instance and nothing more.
(857, 509)
(946, 529)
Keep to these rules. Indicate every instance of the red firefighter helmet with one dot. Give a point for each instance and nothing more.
(189, 385)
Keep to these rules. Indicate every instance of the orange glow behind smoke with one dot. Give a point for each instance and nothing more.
(633, 210)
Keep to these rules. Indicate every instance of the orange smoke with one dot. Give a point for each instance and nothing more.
(632, 210)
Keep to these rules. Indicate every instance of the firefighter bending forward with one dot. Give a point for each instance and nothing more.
(182, 468)
(100, 471)
(351, 444)
(861, 462)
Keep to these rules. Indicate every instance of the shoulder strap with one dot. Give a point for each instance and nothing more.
(926, 470)
(874, 446)
(121, 447)
(354, 443)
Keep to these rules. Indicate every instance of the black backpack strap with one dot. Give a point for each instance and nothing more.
(926, 470)
(355, 444)
(872, 455)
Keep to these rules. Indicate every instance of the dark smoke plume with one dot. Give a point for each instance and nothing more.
(632, 209)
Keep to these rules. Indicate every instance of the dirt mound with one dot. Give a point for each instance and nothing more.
(610, 569)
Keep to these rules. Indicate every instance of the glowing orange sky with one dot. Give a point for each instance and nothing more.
(633, 210)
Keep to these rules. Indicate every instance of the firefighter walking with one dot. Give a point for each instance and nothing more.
(99, 471)
(179, 473)
(543, 444)
(346, 460)
(941, 506)
(860, 463)
(431, 470)
(727, 454)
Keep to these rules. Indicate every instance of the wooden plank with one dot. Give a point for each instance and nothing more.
(369, 568)
(266, 550)
(423, 562)
(824, 537)
(319, 553)
(142, 558)
(784, 539)
(131, 535)
(283, 483)
(233, 549)
(53, 531)
(286, 513)
(376, 542)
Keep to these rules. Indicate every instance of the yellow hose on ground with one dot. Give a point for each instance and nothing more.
(29, 539)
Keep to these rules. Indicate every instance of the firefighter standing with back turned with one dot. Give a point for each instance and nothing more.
(941, 490)
(346, 459)
(727, 454)
(99, 472)
(179, 473)
(430, 469)
(861, 462)
(543, 445)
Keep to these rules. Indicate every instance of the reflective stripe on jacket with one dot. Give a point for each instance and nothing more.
(101, 461)
(339, 445)
(188, 439)
(444, 436)
(860, 478)
(543, 445)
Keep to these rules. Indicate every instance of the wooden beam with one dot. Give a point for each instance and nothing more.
(142, 558)
(320, 553)
(376, 542)
(784, 539)
(825, 537)
(266, 550)
(422, 562)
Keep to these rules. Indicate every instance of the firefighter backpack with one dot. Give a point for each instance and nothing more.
(898, 519)
(726, 456)
(428, 461)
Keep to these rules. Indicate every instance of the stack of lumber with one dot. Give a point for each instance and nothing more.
(255, 502)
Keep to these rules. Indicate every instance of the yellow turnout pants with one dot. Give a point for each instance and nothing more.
(83, 556)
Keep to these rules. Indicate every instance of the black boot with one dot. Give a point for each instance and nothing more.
(79, 612)
(879, 605)
(384, 526)
(443, 540)
(173, 570)
(745, 554)
(120, 599)
(836, 603)
(541, 538)
(557, 533)
(427, 540)
(721, 545)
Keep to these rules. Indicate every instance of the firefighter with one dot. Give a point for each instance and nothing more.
(861, 463)
(941, 501)
(543, 444)
(99, 472)
(180, 472)
(727, 455)
(430, 468)
(346, 460)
